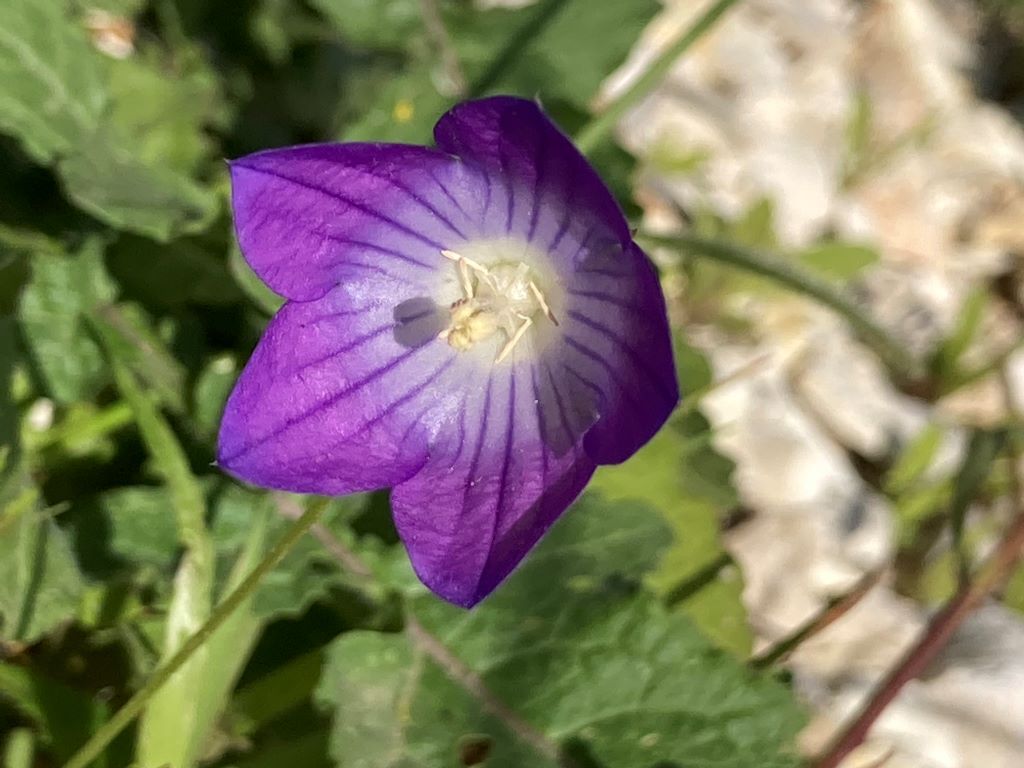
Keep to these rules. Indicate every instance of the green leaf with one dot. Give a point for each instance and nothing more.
(678, 474)
(404, 110)
(162, 107)
(139, 526)
(573, 650)
(110, 182)
(65, 717)
(51, 84)
(40, 584)
(373, 23)
(562, 59)
(61, 292)
(184, 271)
(56, 97)
(838, 260)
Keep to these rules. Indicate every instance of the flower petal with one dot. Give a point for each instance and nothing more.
(488, 494)
(340, 395)
(616, 342)
(540, 186)
(305, 214)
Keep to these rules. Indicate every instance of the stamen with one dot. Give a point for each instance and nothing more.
(498, 297)
(511, 344)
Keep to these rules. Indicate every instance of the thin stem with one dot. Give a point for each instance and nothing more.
(940, 629)
(519, 40)
(835, 610)
(595, 131)
(902, 363)
(134, 706)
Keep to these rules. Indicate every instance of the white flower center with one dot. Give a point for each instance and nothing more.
(502, 297)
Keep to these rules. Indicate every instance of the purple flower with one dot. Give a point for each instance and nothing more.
(471, 325)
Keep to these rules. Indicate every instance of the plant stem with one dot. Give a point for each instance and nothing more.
(940, 629)
(595, 131)
(892, 353)
(835, 610)
(134, 706)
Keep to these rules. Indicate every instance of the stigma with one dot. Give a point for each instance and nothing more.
(503, 297)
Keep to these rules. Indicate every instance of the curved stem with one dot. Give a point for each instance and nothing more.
(892, 353)
(936, 636)
(134, 706)
(594, 132)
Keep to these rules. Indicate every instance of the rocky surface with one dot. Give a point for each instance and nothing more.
(857, 120)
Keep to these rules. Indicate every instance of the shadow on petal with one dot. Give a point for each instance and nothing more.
(418, 321)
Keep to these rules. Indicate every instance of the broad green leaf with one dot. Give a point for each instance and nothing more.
(57, 98)
(139, 528)
(109, 181)
(40, 584)
(837, 259)
(679, 475)
(62, 290)
(162, 107)
(573, 649)
(282, 690)
(51, 83)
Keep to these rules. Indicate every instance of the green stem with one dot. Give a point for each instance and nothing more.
(595, 131)
(892, 353)
(121, 719)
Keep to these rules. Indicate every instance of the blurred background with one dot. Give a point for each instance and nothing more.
(833, 191)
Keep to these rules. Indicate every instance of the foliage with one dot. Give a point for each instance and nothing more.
(126, 312)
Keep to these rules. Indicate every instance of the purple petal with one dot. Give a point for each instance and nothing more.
(616, 342)
(305, 215)
(542, 188)
(336, 396)
(491, 491)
